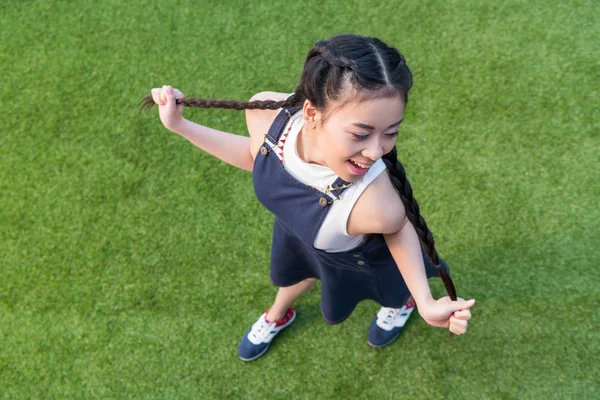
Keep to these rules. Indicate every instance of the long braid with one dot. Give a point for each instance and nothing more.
(398, 177)
(147, 103)
(393, 68)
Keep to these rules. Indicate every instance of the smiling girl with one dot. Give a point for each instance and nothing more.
(323, 161)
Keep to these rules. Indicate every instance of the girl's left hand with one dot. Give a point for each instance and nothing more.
(446, 313)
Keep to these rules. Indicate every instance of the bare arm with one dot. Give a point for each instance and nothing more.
(228, 147)
(406, 250)
(380, 210)
(233, 149)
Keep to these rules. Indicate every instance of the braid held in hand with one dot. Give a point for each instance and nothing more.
(147, 103)
(398, 177)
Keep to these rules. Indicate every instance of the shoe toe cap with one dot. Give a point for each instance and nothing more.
(248, 351)
(378, 337)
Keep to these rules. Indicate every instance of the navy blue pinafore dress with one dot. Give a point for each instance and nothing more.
(365, 272)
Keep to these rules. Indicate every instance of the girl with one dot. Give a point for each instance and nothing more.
(323, 161)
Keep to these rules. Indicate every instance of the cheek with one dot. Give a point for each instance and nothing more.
(389, 147)
(338, 147)
(331, 146)
(342, 145)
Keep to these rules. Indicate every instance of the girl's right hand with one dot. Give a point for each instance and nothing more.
(171, 114)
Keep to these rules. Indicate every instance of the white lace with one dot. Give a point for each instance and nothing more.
(386, 317)
(390, 318)
(261, 330)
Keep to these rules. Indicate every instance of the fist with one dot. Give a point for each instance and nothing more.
(170, 113)
(445, 313)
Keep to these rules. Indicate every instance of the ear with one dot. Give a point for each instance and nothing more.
(312, 115)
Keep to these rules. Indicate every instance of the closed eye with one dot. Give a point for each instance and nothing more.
(359, 137)
(365, 136)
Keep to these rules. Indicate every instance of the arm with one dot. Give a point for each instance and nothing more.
(406, 250)
(233, 149)
(380, 210)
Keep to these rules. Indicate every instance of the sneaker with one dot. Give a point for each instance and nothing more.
(257, 340)
(388, 324)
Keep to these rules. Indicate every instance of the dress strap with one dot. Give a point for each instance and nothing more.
(279, 123)
(334, 190)
(339, 182)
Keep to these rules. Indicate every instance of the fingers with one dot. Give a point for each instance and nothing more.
(460, 304)
(166, 95)
(464, 315)
(461, 315)
(156, 95)
(178, 94)
(458, 326)
(159, 96)
(459, 320)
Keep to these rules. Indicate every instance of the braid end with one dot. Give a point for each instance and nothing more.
(146, 103)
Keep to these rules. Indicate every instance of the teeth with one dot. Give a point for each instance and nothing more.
(360, 165)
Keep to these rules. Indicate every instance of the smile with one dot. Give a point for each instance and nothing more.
(358, 168)
(361, 165)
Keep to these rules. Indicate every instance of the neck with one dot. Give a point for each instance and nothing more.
(306, 143)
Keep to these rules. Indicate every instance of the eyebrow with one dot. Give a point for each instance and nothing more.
(360, 125)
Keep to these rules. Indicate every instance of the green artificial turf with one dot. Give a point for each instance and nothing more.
(131, 263)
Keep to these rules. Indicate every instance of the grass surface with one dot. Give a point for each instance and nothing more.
(131, 263)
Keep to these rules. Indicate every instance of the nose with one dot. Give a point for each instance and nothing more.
(374, 149)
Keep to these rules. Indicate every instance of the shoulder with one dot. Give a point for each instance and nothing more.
(263, 117)
(277, 96)
(259, 121)
(379, 209)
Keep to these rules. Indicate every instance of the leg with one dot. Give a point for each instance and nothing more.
(258, 339)
(286, 297)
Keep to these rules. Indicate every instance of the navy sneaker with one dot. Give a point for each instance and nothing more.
(257, 340)
(388, 324)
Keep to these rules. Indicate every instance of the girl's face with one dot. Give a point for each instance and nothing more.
(353, 137)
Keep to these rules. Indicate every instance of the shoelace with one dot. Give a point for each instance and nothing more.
(261, 329)
(390, 315)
